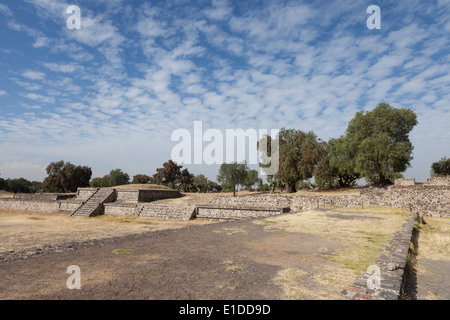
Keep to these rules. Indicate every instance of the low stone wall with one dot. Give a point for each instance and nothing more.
(392, 266)
(153, 195)
(122, 209)
(256, 201)
(167, 211)
(430, 200)
(69, 206)
(35, 196)
(132, 196)
(84, 193)
(424, 200)
(313, 202)
(128, 196)
(26, 205)
(438, 181)
(152, 210)
(237, 212)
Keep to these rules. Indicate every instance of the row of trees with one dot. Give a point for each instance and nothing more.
(20, 185)
(375, 146)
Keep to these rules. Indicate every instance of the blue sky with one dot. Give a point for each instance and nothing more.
(110, 94)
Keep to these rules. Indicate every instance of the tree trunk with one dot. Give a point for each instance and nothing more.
(234, 191)
(290, 187)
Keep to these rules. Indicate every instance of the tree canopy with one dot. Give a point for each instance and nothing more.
(378, 142)
(232, 174)
(66, 177)
(298, 156)
(441, 167)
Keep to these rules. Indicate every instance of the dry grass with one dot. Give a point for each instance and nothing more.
(434, 239)
(25, 229)
(333, 192)
(363, 232)
(5, 194)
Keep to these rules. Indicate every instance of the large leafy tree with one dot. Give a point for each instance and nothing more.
(342, 162)
(116, 177)
(232, 174)
(186, 180)
(66, 177)
(298, 155)
(379, 142)
(169, 174)
(252, 179)
(141, 179)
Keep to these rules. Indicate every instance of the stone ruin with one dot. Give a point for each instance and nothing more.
(431, 198)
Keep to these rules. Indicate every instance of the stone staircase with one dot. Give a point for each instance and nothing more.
(93, 205)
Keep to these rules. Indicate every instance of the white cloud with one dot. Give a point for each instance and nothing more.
(33, 75)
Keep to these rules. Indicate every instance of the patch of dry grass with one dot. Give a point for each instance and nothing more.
(363, 232)
(324, 284)
(26, 229)
(5, 194)
(434, 239)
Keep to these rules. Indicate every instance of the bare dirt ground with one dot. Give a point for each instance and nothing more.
(306, 255)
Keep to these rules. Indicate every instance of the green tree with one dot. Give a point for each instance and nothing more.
(2, 183)
(379, 139)
(441, 167)
(186, 180)
(169, 174)
(96, 182)
(324, 173)
(20, 185)
(201, 183)
(141, 179)
(251, 179)
(66, 177)
(116, 177)
(298, 155)
(232, 175)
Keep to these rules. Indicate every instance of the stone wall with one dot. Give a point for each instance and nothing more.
(69, 206)
(84, 193)
(237, 212)
(392, 266)
(27, 205)
(128, 196)
(167, 211)
(152, 210)
(120, 209)
(438, 181)
(257, 201)
(152, 195)
(404, 182)
(134, 196)
(39, 206)
(426, 200)
(313, 202)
